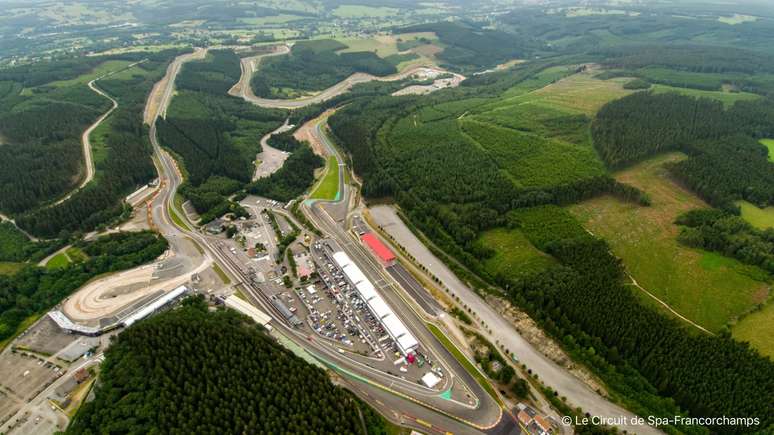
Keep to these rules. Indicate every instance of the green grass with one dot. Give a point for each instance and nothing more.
(177, 220)
(222, 275)
(328, 187)
(514, 255)
(9, 268)
(76, 254)
(58, 261)
(769, 143)
(707, 288)
(472, 369)
(757, 328)
(382, 48)
(727, 98)
(760, 218)
(532, 160)
(99, 70)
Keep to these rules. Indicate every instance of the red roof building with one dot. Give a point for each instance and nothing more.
(376, 245)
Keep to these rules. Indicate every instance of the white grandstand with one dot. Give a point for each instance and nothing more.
(379, 308)
(65, 323)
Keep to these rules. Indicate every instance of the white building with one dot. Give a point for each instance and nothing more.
(390, 322)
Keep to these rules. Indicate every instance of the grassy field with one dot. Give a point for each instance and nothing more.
(76, 254)
(758, 329)
(9, 268)
(58, 261)
(709, 289)
(514, 255)
(758, 217)
(577, 94)
(101, 69)
(769, 143)
(727, 98)
(328, 188)
(482, 380)
(382, 46)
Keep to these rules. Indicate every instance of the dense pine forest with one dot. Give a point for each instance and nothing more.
(33, 289)
(314, 66)
(725, 162)
(194, 371)
(122, 154)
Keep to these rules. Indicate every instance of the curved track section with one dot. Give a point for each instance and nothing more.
(108, 297)
(250, 65)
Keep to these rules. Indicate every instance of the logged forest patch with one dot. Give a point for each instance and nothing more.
(708, 292)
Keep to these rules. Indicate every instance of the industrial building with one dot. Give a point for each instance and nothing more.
(390, 322)
(382, 252)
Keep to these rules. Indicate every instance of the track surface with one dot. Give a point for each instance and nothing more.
(250, 65)
(98, 299)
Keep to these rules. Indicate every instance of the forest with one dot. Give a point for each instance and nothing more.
(292, 179)
(15, 246)
(313, 66)
(33, 289)
(725, 161)
(584, 303)
(720, 231)
(121, 154)
(215, 135)
(220, 373)
(468, 46)
(408, 150)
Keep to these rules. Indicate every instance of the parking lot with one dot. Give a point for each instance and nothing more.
(353, 316)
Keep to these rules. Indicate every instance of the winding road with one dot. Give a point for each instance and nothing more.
(87, 153)
(250, 65)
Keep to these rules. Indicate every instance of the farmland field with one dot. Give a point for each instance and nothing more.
(514, 254)
(761, 218)
(709, 289)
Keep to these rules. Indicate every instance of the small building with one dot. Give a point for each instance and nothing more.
(81, 375)
(382, 252)
(215, 227)
(430, 380)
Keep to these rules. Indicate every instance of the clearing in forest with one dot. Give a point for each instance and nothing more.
(760, 218)
(707, 288)
(514, 256)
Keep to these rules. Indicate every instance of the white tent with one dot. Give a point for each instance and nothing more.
(430, 380)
